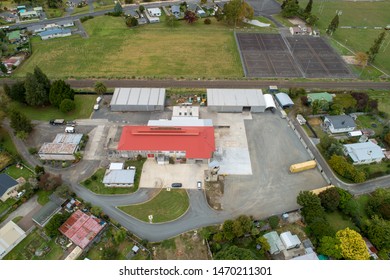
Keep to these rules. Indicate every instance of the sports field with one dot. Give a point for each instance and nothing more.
(357, 15)
(155, 50)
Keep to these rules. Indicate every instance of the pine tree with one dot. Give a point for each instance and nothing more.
(375, 47)
(309, 6)
(333, 25)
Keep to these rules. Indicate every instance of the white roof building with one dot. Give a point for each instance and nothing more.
(275, 243)
(116, 166)
(290, 241)
(236, 100)
(363, 153)
(138, 99)
(269, 101)
(10, 236)
(119, 178)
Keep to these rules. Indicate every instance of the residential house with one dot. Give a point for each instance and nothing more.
(275, 243)
(193, 7)
(63, 147)
(38, 10)
(8, 186)
(132, 13)
(154, 12)
(14, 36)
(340, 124)
(65, 23)
(28, 15)
(13, 62)
(301, 30)
(289, 240)
(364, 153)
(52, 207)
(10, 236)
(34, 29)
(8, 16)
(55, 33)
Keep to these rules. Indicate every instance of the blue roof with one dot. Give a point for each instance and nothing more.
(284, 99)
(54, 31)
(6, 182)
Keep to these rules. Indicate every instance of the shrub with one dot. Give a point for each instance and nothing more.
(129, 1)
(32, 150)
(273, 221)
(207, 21)
(67, 105)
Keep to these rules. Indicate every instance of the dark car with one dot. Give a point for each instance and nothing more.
(176, 185)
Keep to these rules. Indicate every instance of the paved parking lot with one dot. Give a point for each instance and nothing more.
(161, 176)
(272, 189)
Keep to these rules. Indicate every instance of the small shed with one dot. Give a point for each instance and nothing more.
(289, 240)
(275, 243)
(269, 101)
(284, 100)
(116, 166)
(135, 249)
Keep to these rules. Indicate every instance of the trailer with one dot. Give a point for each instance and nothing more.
(298, 167)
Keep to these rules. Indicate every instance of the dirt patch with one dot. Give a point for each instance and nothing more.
(315, 121)
(297, 21)
(214, 193)
(187, 246)
(350, 59)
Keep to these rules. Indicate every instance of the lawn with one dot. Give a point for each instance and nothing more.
(5, 205)
(84, 108)
(94, 183)
(54, 13)
(165, 207)
(375, 169)
(383, 100)
(153, 50)
(43, 196)
(362, 201)
(6, 142)
(25, 249)
(358, 14)
(370, 122)
(82, 10)
(338, 222)
(16, 173)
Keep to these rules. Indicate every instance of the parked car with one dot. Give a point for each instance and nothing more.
(96, 107)
(71, 123)
(57, 122)
(199, 185)
(176, 185)
(98, 99)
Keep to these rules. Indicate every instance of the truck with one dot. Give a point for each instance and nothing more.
(69, 129)
(298, 167)
(57, 122)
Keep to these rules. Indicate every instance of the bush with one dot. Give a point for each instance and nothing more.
(207, 21)
(32, 150)
(67, 105)
(84, 19)
(129, 1)
(273, 221)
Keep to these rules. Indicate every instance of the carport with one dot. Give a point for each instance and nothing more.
(284, 100)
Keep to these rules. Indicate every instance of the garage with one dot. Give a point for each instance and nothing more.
(235, 100)
(138, 99)
(269, 102)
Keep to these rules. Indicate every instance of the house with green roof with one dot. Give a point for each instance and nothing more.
(311, 97)
(13, 36)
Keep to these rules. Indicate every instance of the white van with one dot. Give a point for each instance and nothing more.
(69, 129)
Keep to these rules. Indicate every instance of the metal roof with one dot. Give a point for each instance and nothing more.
(58, 148)
(235, 97)
(197, 142)
(274, 241)
(45, 213)
(115, 176)
(10, 235)
(289, 240)
(181, 121)
(284, 99)
(320, 96)
(68, 138)
(64, 22)
(36, 27)
(6, 182)
(116, 166)
(341, 121)
(138, 96)
(364, 151)
(185, 111)
(269, 101)
(54, 31)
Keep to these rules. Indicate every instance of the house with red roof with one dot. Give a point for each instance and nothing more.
(82, 229)
(191, 144)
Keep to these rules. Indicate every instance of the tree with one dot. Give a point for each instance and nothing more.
(308, 7)
(207, 21)
(352, 245)
(333, 25)
(96, 211)
(312, 19)
(48, 181)
(273, 222)
(227, 230)
(387, 138)
(362, 100)
(330, 199)
(308, 199)
(362, 58)
(345, 197)
(318, 225)
(290, 8)
(39, 170)
(375, 47)
(236, 10)
(120, 236)
(190, 17)
(35, 92)
(330, 246)
(19, 122)
(17, 92)
(131, 22)
(342, 167)
(60, 91)
(241, 225)
(110, 253)
(263, 242)
(141, 8)
(378, 231)
(219, 15)
(67, 105)
(43, 80)
(118, 10)
(54, 3)
(379, 203)
(100, 88)
(63, 191)
(3, 68)
(346, 102)
(235, 253)
(51, 228)
(171, 21)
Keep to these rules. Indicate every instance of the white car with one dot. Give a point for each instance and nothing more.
(199, 185)
(96, 107)
(98, 99)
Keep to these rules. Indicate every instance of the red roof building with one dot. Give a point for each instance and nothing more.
(193, 142)
(82, 228)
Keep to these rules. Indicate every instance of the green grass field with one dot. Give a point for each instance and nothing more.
(6, 142)
(383, 100)
(338, 222)
(25, 249)
(16, 173)
(154, 50)
(165, 207)
(84, 108)
(359, 14)
(6, 204)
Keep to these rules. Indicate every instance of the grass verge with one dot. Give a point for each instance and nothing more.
(165, 207)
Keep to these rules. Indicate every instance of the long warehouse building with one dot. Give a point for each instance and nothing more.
(138, 99)
(235, 100)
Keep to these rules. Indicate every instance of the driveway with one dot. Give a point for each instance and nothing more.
(161, 176)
